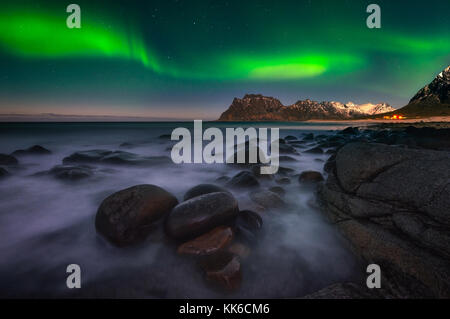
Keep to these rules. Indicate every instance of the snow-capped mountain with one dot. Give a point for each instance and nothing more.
(256, 107)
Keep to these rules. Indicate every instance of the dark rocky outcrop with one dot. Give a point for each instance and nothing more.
(345, 291)
(431, 100)
(8, 160)
(256, 107)
(200, 214)
(126, 217)
(69, 172)
(33, 150)
(114, 157)
(393, 204)
(3, 172)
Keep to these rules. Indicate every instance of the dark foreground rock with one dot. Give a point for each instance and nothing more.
(3, 172)
(209, 243)
(115, 158)
(126, 217)
(223, 270)
(267, 199)
(344, 291)
(33, 150)
(69, 172)
(393, 204)
(203, 189)
(8, 160)
(200, 214)
(243, 179)
(310, 177)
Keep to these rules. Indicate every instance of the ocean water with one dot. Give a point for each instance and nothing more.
(47, 224)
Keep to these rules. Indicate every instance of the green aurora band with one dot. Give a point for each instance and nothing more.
(44, 35)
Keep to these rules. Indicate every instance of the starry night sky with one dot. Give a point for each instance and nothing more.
(188, 59)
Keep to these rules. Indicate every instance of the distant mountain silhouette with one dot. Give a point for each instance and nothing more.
(256, 107)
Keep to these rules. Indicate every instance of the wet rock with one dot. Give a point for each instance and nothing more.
(200, 214)
(240, 250)
(349, 131)
(278, 190)
(8, 160)
(115, 158)
(267, 199)
(3, 172)
(308, 137)
(165, 136)
(314, 150)
(209, 243)
(222, 179)
(70, 172)
(392, 204)
(310, 177)
(33, 150)
(203, 189)
(290, 138)
(126, 217)
(249, 220)
(283, 181)
(223, 270)
(243, 179)
(344, 291)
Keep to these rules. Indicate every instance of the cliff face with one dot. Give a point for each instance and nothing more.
(255, 107)
(252, 107)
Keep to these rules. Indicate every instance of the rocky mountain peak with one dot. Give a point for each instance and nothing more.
(438, 91)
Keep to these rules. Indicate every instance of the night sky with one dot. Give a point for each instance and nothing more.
(188, 59)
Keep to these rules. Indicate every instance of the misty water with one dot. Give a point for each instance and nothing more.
(47, 224)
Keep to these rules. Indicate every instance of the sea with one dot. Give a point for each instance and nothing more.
(47, 224)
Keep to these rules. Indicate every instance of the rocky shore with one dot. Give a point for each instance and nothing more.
(388, 192)
(386, 189)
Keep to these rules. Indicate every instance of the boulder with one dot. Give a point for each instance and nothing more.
(115, 158)
(350, 131)
(209, 243)
(310, 177)
(223, 270)
(70, 172)
(3, 172)
(344, 291)
(243, 179)
(126, 217)
(33, 150)
(283, 181)
(290, 138)
(8, 160)
(393, 204)
(267, 199)
(203, 189)
(200, 214)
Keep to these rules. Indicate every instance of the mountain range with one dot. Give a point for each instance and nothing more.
(433, 99)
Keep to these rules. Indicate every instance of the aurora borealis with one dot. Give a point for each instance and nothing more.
(185, 59)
